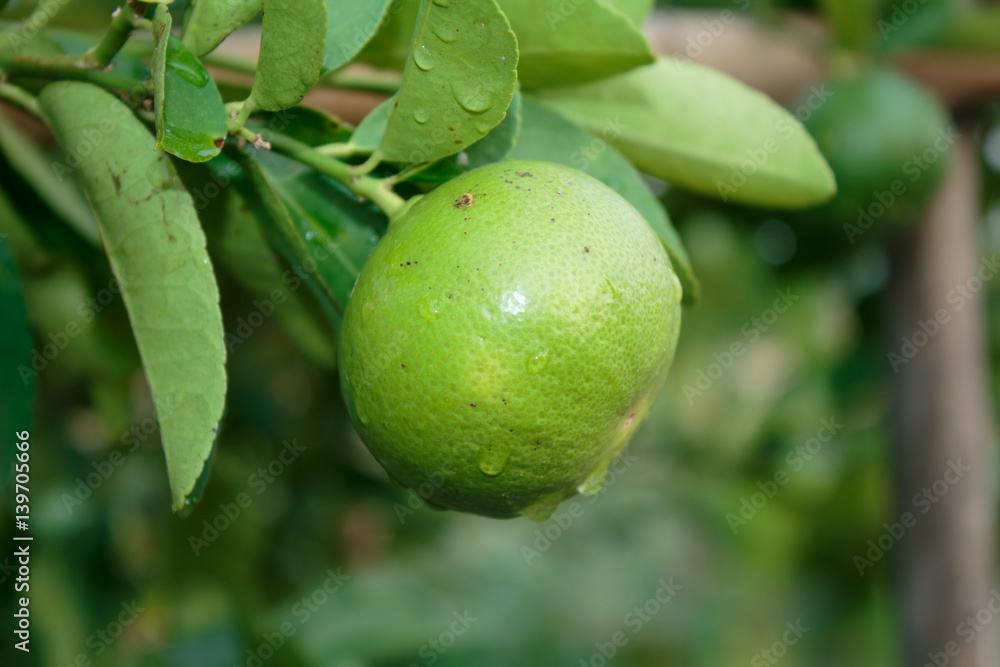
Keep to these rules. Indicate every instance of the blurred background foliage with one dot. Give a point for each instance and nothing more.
(541, 594)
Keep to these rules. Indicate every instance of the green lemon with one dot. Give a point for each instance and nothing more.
(887, 140)
(507, 336)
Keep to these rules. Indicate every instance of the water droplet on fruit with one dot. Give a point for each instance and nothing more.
(537, 362)
(540, 510)
(493, 458)
(595, 480)
(423, 58)
(362, 415)
(615, 292)
(475, 99)
(678, 290)
(446, 34)
(430, 309)
(421, 116)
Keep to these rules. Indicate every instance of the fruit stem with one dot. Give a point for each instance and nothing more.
(58, 68)
(122, 22)
(21, 98)
(374, 189)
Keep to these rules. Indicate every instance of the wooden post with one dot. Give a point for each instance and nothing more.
(944, 564)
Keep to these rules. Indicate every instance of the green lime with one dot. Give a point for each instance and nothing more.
(887, 140)
(507, 336)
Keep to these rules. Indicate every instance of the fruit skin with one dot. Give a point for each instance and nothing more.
(874, 130)
(507, 336)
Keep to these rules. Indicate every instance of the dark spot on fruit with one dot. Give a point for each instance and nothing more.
(117, 180)
(472, 404)
(451, 128)
(407, 263)
(552, 219)
(403, 365)
(219, 142)
(586, 249)
(464, 201)
(450, 295)
(527, 174)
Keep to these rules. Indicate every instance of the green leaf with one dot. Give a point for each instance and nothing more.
(635, 10)
(910, 27)
(390, 47)
(322, 224)
(549, 136)
(17, 381)
(349, 26)
(703, 130)
(370, 131)
(568, 43)
(150, 231)
(50, 178)
(190, 117)
(457, 84)
(211, 21)
(292, 48)
(494, 147)
(240, 246)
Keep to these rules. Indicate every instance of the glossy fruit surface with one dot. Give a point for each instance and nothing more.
(507, 336)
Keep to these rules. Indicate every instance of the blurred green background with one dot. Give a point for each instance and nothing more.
(693, 554)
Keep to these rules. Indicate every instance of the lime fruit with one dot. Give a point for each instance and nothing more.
(886, 139)
(507, 336)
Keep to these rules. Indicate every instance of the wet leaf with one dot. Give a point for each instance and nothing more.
(211, 21)
(457, 84)
(327, 233)
(190, 117)
(150, 231)
(704, 130)
(569, 43)
(241, 247)
(349, 26)
(292, 49)
(494, 147)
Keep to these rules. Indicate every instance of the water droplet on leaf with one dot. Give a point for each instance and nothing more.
(423, 58)
(474, 99)
(446, 34)
(421, 116)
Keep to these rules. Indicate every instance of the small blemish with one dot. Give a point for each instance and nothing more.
(586, 249)
(472, 404)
